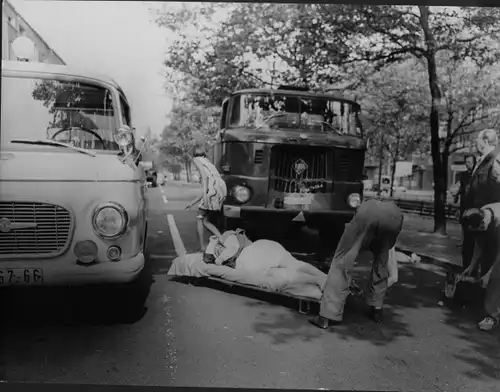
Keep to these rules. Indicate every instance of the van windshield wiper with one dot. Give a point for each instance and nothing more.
(269, 118)
(53, 143)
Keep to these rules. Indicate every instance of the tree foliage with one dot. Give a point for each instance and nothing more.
(471, 98)
(428, 71)
(191, 126)
(389, 34)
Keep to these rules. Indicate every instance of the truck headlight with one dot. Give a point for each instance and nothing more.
(241, 193)
(354, 200)
(110, 220)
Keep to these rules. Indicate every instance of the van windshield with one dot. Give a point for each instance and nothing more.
(295, 112)
(80, 114)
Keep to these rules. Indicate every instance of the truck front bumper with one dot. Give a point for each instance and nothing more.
(282, 215)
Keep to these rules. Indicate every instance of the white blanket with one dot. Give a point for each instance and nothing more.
(273, 268)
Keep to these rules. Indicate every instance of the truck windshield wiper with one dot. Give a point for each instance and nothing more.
(53, 143)
(269, 118)
(332, 128)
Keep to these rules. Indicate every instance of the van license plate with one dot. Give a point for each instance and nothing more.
(21, 277)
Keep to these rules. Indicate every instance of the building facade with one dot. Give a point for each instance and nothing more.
(14, 26)
(463, 144)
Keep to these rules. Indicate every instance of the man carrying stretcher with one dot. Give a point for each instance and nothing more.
(375, 227)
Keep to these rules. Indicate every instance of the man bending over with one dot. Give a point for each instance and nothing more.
(375, 227)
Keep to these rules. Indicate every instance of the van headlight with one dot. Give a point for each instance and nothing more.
(110, 220)
(354, 200)
(241, 193)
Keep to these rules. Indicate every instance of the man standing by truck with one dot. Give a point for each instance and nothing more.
(467, 235)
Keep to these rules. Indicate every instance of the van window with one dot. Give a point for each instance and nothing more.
(80, 114)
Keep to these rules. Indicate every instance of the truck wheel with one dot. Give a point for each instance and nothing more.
(330, 236)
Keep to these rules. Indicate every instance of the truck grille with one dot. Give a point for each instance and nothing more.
(293, 165)
(49, 238)
(258, 157)
(349, 165)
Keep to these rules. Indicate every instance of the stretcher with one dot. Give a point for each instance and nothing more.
(304, 303)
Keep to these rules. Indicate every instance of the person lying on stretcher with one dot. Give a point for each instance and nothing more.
(235, 250)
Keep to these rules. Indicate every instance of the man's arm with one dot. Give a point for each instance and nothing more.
(477, 254)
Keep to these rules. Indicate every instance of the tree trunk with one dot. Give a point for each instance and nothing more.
(394, 163)
(437, 164)
(380, 164)
(393, 172)
(188, 171)
(440, 173)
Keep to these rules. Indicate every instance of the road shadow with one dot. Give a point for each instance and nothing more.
(96, 305)
(420, 288)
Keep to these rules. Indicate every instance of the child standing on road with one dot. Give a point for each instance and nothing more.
(212, 198)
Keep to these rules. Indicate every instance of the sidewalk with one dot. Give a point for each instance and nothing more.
(417, 237)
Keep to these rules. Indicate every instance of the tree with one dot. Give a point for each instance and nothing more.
(471, 99)
(390, 34)
(395, 101)
(243, 50)
(191, 126)
(329, 45)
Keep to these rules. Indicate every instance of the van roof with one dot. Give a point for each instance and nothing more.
(53, 69)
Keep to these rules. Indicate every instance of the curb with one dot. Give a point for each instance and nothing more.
(440, 261)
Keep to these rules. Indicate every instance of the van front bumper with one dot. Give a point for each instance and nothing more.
(61, 272)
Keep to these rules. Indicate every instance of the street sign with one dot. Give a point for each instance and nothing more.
(403, 169)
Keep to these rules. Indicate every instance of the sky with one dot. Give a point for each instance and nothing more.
(116, 38)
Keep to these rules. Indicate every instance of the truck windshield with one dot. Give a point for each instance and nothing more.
(267, 111)
(71, 112)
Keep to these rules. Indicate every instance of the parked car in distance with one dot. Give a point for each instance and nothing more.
(152, 178)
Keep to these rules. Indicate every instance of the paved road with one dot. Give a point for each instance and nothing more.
(200, 336)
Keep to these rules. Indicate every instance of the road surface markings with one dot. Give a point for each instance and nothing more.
(176, 237)
(163, 196)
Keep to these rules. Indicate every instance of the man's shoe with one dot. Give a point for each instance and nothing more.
(323, 322)
(376, 314)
